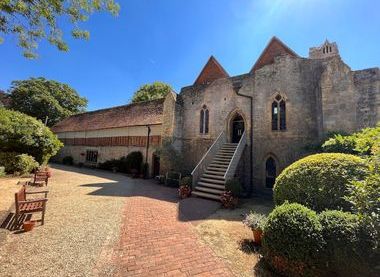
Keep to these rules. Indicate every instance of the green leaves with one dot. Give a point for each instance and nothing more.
(320, 181)
(32, 21)
(360, 143)
(43, 99)
(153, 91)
(24, 134)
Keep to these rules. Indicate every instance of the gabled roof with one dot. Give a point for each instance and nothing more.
(211, 72)
(136, 114)
(274, 48)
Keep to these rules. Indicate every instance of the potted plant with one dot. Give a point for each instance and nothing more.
(256, 222)
(184, 190)
(230, 197)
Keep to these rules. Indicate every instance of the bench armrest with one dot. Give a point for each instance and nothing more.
(35, 192)
(33, 201)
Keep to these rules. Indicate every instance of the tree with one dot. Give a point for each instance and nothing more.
(153, 91)
(43, 99)
(32, 21)
(24, 134)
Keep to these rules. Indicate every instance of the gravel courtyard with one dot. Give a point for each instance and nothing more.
(103, 224)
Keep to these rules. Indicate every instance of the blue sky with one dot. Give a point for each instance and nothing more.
(171, 40)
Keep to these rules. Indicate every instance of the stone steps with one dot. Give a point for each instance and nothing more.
(211, 183)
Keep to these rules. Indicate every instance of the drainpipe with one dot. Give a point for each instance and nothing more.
(147, 144)
(237, 86)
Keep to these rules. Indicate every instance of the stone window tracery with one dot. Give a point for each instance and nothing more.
(278, 113)
(204, 120)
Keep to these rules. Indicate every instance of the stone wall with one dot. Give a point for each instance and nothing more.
(321, 95)
(367, 86)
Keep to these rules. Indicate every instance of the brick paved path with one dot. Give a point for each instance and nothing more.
(155, 242)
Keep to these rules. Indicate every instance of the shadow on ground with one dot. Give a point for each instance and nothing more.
(191, 209)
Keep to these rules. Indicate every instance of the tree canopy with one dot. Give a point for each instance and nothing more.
(43, 99)
(32, 21)
(24, 134)
(153, 91)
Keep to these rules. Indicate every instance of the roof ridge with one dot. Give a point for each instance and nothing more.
(212, 61)
(119, 106)
(273, 39)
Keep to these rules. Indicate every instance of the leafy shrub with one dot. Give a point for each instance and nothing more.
(320, 181)
(255, 221)
(24, 134)
(365, 194)
(134, 160)
(292, 239)
(186, 181)
(360, 143)
(234, 186)
(127, 164)
(2, 171)
(16, 163)
(348, 248)
(68, 160)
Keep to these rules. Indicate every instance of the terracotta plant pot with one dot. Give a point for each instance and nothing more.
(28, 225)
(257, 235)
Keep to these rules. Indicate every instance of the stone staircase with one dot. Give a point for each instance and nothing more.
(211, 183)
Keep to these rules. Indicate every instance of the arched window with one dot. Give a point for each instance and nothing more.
(270, 172)
(278, 113)
(204, 119)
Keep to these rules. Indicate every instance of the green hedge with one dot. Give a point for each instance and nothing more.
(131, 162)
(320, 181)
(16, 163)
(293, 240)
(348, 244)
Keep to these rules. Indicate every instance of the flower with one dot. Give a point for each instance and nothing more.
(255, 221)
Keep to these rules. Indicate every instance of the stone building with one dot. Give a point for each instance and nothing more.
(249, 126)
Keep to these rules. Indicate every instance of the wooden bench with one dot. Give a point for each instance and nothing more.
(41, 177)
(24, 206)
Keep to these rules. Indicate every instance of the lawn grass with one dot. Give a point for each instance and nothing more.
(225, 233)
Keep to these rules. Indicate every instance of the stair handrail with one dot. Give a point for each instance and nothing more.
(236, 157)
(207, 157)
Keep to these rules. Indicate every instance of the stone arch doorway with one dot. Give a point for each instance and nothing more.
(237, 128)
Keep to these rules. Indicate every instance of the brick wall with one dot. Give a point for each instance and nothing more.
(140, 141)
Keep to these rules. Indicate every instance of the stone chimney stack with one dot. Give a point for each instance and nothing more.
(326, 50)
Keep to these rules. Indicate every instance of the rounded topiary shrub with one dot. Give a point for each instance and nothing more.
(320, 181)
(292, 240)
(348, 248)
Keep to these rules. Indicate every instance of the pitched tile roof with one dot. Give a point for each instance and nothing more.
(274, 48)
(143, 113)
(211, 72)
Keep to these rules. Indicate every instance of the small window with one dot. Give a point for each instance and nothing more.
(204, 120)
(278, 113)
(274, 115)
(92, 156)
(270, 172)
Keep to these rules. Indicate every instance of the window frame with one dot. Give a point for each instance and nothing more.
(92, 156)
(278, 113)
(204, 120)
